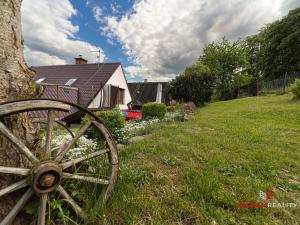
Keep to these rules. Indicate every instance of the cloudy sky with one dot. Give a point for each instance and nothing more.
(154, 39)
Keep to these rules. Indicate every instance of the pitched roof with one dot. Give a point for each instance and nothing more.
(90, 77)
(147, 91)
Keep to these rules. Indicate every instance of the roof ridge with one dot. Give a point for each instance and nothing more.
(107, 63)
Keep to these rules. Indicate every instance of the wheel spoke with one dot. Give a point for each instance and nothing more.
(71, 202)
(50, 124)
(83, 158)
(42, 209)
(14, 170)
(13, 187)
(17, 143)
(66, 147)
(17, 208)
(84, 178)
(110, 141)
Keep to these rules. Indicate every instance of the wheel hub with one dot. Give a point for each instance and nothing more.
(46, 177)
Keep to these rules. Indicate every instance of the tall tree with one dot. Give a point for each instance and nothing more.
(16, 82)
(228, 62)
(280, 46)
(196, 84)
(253, 44)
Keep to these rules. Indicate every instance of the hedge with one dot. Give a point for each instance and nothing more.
(154, 110)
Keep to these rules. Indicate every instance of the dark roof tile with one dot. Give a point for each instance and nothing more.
(90, 77)
(147, 91)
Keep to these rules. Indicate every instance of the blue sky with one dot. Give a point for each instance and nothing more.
(90, 28)
(154, 40)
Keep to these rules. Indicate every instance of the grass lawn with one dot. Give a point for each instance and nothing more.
(197, 171)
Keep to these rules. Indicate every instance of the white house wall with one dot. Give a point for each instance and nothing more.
(118, 80)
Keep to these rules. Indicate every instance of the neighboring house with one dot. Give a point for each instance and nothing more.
(149, 91)
(91, 86)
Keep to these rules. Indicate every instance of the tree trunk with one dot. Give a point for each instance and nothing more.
(16, 82)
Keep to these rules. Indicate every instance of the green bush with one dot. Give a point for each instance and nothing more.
(196, 85)
(113, 120)
(295, 88)
(154, 110)
(173, 108)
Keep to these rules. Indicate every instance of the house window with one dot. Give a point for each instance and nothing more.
(40, 80)
(120, 96)
(70, 82)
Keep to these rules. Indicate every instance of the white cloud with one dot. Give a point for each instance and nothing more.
(133, 71)
(87, 3)
(163, 37)
(50, 37)
(114, 8)
(97, 11)
(41, 58)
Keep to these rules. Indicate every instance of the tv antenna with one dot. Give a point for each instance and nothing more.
(98, 55)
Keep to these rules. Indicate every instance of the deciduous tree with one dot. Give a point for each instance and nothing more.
(228, 62)
(16, 82)
(280, 46)
(196, 84)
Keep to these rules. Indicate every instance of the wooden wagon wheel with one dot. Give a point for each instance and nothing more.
(49, 170)
(60, 123)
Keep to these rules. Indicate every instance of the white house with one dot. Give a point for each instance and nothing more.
(88, 85)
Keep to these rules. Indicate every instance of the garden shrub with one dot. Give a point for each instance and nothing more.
(171, 108)
(295, 88)
(174, 107)
(154, 110)
(196, 84)
(113, 120)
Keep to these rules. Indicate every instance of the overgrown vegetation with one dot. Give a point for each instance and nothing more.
(86, 194)
(279, 46)
(198, 171)
(295, 88)
(154, 110)
(228, 63)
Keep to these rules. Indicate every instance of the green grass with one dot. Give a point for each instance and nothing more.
(197, 171)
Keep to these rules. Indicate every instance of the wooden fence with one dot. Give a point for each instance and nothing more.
(277, 85)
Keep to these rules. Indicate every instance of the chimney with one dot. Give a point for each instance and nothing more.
(145, 80)
(80, 60)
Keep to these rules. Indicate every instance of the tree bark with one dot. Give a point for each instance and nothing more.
(16, 82)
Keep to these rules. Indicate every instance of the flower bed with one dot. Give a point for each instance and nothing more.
(136, 127)
(83, 145)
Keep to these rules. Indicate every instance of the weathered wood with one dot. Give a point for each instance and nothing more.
(16, 82)
(14, 187)
(83, 158)
(14, 170)
(64, 126)
(49, 131)
(110, 141)
(84, 178)
(44, 121)
(71, 202)
(17, 208)
(42, 209)
(113, 157)
(47, 180)
(17, 143)
(113, 176)
(66, 147)
(31, 105)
